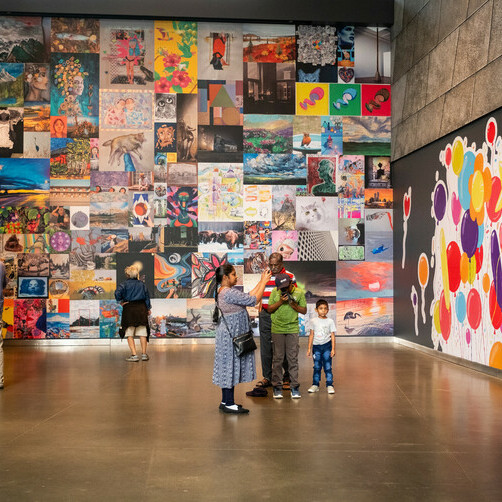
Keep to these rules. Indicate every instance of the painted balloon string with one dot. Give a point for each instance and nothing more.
(348, 95)
(414, 303)
(316, 94)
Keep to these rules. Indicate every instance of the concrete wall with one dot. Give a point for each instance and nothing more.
(447, 68)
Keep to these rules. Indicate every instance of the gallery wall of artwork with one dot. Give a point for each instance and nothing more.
(183, 145)
(448, 276)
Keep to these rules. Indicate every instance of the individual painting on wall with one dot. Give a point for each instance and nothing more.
(200, 318)
(24, 182)
(317, 279)
(220, 104)
(25, 39)
(269, 43)
(378, 198)
(37, 118)
(168, 318)
(219, 47)
(318, 246)
(379, 235)
(36, 84)
(58, 325)
(220, 192)
(377, 172)
(219, 144)
(365, 299)
(376, 100)
(321, 177)
(307, 135)
(268, 134)
(126, 110)
(274, 169)
(269, 88)
(110, 313)
(345, 99)
(175, 56)
(11, 138)
(84, 319)
(74, 92)
(32, 287)
(187, 141)
(316, 213)
(317, 53)
(128, 151)
(312, 99)
(74, 35)
(126, 55)
(12, 84)
(204, 267)
(331, 136)
(351, 231)
(173, 275)
(373, 43)
(30, 319)
(285, 242)
(366, 136)
(257, 203)
(181, 206)
(220, 237)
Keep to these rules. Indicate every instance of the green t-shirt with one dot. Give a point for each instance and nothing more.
(285, 318)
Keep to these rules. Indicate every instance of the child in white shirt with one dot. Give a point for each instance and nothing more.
(322, 346)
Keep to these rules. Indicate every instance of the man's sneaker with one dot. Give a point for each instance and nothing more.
(133, 359)
(314, 388)
(144, 357)
(277, 393)
(295, 394)
(331, 389)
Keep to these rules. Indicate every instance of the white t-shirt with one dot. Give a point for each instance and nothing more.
(322, 330)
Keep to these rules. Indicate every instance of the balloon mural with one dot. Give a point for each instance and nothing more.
(465, 262)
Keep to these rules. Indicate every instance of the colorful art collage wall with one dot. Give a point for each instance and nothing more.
(183, 145)
(448, 241)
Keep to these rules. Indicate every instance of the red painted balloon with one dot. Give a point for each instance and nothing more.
(490, 132)
(479, 258)
(448, 156)
(444, 317)
(453, 260)
(474, 308)
(495, 311)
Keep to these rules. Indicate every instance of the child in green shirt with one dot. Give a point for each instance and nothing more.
(285, 303)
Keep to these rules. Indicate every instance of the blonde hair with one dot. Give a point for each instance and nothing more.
(132, 271)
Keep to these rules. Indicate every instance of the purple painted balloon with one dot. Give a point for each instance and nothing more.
(440, 201)
(469, 235)
(496, 266)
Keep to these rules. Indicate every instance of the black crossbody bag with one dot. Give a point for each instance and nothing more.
(244, 343)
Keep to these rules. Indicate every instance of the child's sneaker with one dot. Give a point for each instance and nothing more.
(144, 357)
(331, 389)
(277, 393)
(133, 359)
(295, 394)
(314, 388)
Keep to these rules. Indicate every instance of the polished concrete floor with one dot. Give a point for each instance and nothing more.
(80, 423)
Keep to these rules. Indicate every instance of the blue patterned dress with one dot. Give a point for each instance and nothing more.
(230, 369)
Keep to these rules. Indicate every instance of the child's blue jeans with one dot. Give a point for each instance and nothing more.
(322, 359)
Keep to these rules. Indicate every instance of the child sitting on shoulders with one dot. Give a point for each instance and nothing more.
(322, 343)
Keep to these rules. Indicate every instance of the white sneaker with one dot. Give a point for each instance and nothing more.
(314, 388)
(331, 389)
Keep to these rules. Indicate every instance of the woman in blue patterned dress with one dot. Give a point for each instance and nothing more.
(229, 368)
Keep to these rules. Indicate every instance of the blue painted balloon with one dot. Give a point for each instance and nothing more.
(463, 180)
(461, 307)
(481, 234)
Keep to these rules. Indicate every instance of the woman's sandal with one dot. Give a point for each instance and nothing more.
(264, 383)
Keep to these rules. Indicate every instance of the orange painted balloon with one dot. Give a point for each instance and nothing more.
(486, 283)
(496, 356)
(423, 271)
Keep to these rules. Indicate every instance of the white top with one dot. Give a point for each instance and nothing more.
(322, 330)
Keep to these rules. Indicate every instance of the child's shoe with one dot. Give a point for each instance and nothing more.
(295, 394)
(314, 388)
(331, 389)
(133, 359)
(277, 393)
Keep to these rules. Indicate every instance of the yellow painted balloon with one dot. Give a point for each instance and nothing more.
(423, 270)
(496, 356)
(436, 318)
(472, 270)
(486, 283)
(444, 271)
(464, 267)
(457, 157)
(477, 191)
